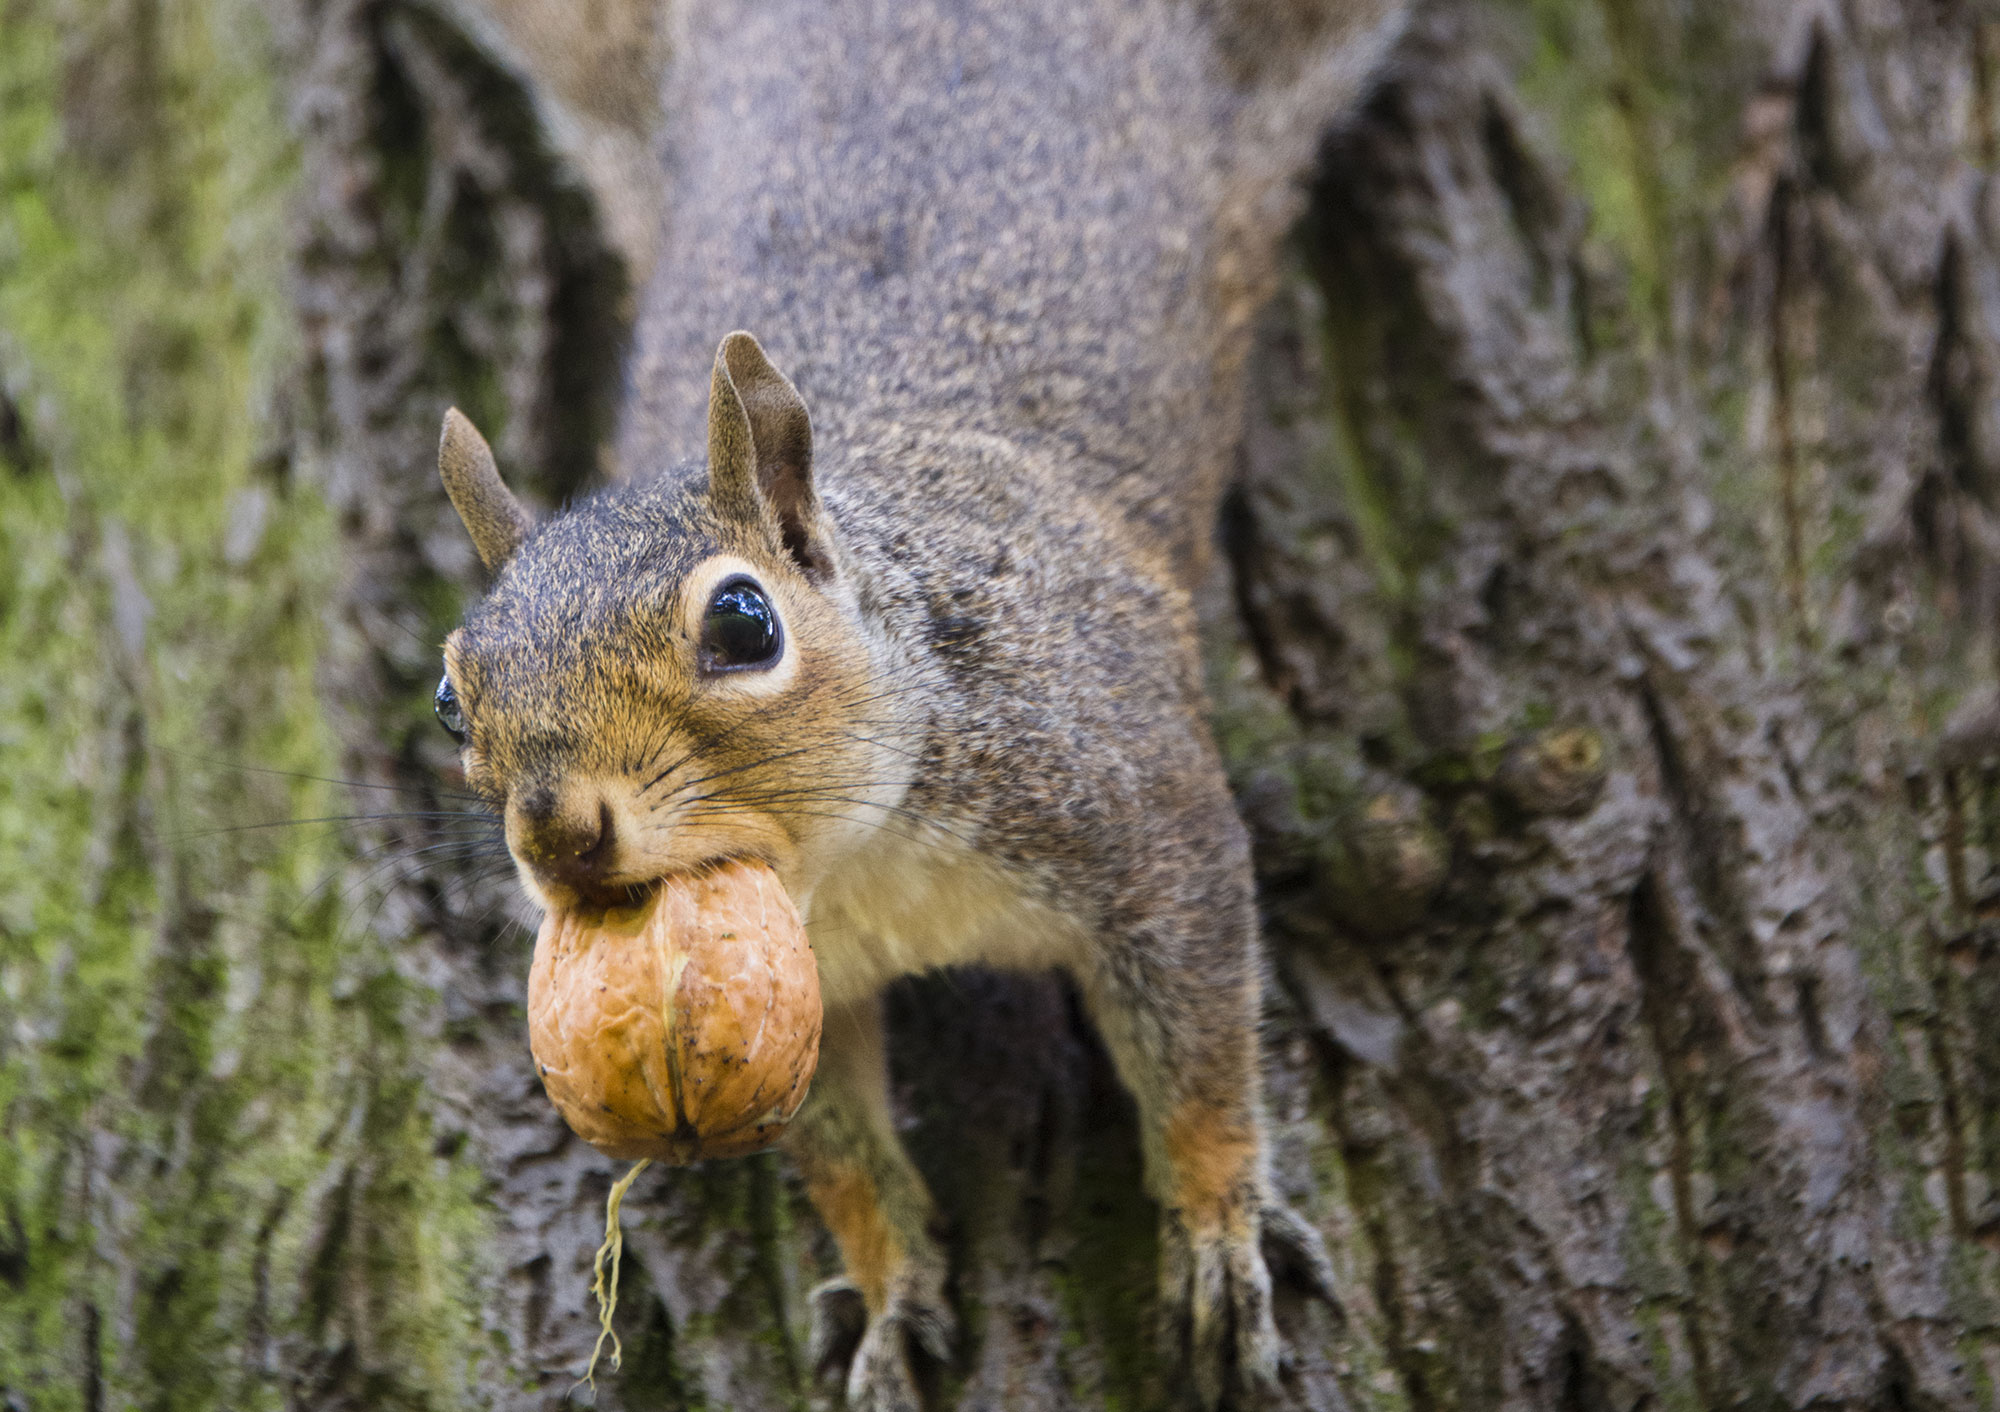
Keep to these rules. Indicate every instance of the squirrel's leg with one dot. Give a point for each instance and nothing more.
(1180, 1017)
(872, 1199)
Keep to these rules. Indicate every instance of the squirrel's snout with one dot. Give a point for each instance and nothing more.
(573, 841)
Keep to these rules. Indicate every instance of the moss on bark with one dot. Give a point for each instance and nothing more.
(1634, 387)
(218, 1177)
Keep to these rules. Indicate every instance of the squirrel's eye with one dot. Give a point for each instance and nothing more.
(740, 628)
(449, 713)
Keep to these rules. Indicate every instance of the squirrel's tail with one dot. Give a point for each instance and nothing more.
(1299, 86)
(1302, 71)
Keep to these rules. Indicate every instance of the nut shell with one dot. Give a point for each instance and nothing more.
(683, 1029)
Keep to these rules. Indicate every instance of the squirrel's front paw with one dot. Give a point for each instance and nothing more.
(876, 1352)
(1217, 1290)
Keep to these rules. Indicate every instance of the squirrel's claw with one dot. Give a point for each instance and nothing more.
(879, 1379)
(839, 1319)
(1217, 1289)
(1295, 1252)
(876, 1352)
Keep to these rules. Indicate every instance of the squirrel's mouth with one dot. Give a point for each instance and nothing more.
(580, 895)
(587, 845)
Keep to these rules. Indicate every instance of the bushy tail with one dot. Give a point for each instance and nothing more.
(1305, 69)
(1301, 70)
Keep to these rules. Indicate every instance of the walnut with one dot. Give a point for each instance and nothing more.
(684, 1028)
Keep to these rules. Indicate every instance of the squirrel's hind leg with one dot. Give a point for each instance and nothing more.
(1179, 1015)
(874, 1202)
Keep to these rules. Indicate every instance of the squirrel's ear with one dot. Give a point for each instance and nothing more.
(492, 516)
(760, 451)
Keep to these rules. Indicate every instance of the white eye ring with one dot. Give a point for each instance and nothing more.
(710, 580)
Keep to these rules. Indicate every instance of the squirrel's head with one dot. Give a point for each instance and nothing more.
(674, 673)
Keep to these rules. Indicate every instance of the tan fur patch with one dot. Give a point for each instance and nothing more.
(1212, 1156)
(909, 901)
(848, 1201)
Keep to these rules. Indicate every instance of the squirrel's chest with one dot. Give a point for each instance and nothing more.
(902, 905)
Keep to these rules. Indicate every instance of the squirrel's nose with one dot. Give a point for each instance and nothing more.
(568, 841)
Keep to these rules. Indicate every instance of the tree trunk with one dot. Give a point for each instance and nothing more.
(1606, 660)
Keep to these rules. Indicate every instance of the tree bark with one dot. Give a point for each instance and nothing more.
(1604, 654)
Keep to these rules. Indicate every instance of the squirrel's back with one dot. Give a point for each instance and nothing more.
(1024, 218)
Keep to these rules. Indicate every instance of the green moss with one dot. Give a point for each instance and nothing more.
(1376, 1187)
(1365, 1341)
(1251, 723)
(650, 1378)
(1678, 1392)
(1645, 103)
(1373, 462)
(1655, 1264)
(772, 1227)
(1577, 76)
(1111, 1268)
(214, 1138)
(1368, 500)
(1973, 1346)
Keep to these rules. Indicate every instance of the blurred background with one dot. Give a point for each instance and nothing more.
(1604, 652)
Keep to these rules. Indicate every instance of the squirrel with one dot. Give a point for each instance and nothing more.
(929, 649)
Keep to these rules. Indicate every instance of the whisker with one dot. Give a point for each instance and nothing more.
(485, 820)
(685, 757)
(319, 890)
(758, 763)
(318, 779)
(793, 799)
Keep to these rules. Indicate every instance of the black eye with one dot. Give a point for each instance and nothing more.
(449, 714)
(740, 628)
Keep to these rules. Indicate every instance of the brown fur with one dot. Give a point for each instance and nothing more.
(846, 1199)
(1009, 253)
(1212, 1153)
